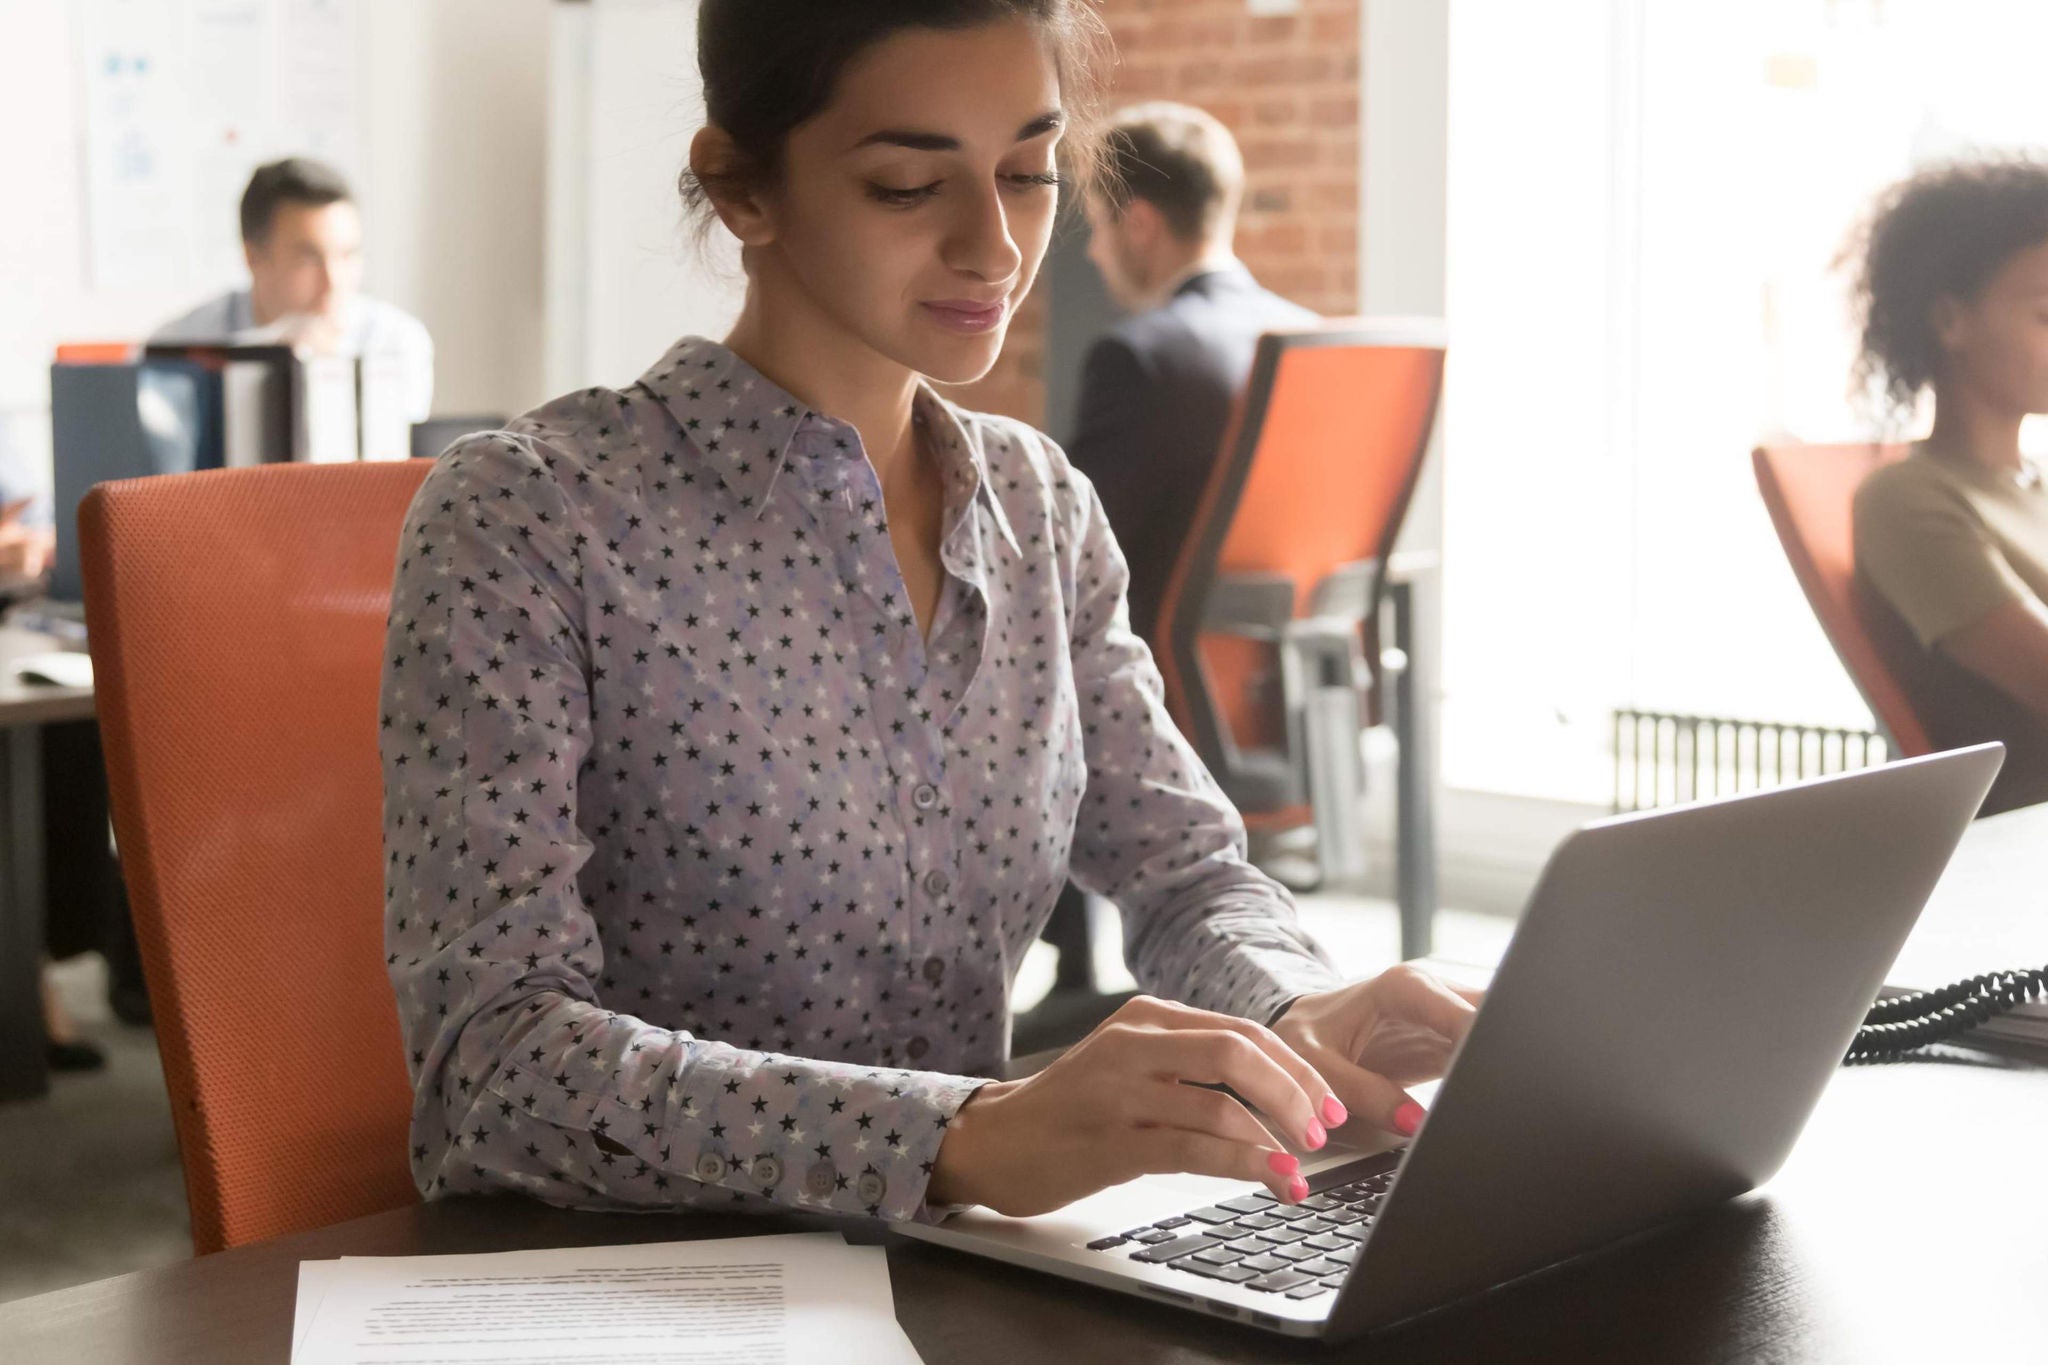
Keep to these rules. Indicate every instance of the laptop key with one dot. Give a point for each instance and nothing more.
(1213, 1214)
(1258, 1222)
(1278, 1281)
(1151, 1236)
(1229, 1274)
(1325, 1243)
(1309, 1290)
(1250, 1246)
(1177, 1222)
(1320, 1267)
(1296, 1253)
(1320, 1202)
(1344, 1257)
(1265, 1264)
(1173, 1250)
(1105, 1243)
(1218, 1256)
(1250, 1203)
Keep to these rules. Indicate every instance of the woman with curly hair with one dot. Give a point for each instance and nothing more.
(1953, 291)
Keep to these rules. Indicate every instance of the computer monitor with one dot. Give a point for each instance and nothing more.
(123, 421)
(436, 434)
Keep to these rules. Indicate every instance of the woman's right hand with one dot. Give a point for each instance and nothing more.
(1127, 1101)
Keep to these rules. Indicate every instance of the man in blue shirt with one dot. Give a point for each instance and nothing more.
(303, 239)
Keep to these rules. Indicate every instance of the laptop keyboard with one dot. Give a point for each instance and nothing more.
(1301, 1251)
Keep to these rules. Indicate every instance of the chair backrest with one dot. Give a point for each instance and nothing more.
(1316, 472)
(237, 625)
(1810, 491)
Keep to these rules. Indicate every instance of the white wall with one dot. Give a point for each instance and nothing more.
(627, 276)
(454, 98)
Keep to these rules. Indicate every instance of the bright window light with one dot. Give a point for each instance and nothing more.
(1646, 202)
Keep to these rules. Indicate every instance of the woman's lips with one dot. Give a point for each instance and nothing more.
(967, 317)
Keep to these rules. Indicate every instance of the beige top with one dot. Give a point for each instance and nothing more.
(1946, 541)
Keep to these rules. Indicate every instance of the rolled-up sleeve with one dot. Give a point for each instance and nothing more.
(525, 1077)
(1928, 553)
(1155, 833)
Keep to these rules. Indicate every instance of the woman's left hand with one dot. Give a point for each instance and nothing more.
(1371, 1039)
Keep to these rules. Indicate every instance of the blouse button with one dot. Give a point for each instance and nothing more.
(936, 882)
(767, 1172)
(710, 1167)
(871, 1187)
(820, 1179)
(925, 797)
(934, 970)
(918, 1047)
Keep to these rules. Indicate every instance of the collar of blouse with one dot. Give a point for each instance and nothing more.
(760, 427)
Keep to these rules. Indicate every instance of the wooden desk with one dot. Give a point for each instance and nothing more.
(24, 709)
(1906, 1227)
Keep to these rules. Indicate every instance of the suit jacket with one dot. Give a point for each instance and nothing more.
(1156, 394)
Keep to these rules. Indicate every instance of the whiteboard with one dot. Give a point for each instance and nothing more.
(132, 128)
(626, 275)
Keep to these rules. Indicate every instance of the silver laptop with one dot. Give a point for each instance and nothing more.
(1680, 989)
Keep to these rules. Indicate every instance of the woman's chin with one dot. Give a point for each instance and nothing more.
(958, 359)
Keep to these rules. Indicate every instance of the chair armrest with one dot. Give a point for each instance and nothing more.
(1258, 606)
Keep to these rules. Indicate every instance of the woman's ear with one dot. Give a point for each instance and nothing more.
(721, 168)
(1950, 322)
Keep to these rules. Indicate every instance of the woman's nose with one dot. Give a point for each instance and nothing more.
(980, 243)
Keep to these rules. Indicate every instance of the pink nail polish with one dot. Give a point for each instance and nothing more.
(1316, 1136)
(1408, 1118)
(1334, 1113)
(1297, 1190)
(1280, 1163)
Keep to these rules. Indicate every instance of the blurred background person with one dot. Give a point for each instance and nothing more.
(1953, 296)
(85, 905)
(1157, 390)
(302, 237)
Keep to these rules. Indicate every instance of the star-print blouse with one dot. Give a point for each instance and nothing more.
(707, 875)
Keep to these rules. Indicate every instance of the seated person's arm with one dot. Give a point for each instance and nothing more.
(1927, 554)
(528, 1075)
(2008, 647)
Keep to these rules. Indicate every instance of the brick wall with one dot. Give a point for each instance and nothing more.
(1287, 86)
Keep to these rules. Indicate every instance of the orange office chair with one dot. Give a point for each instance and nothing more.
(1811, 492)
(1289, 551)
(237, 626)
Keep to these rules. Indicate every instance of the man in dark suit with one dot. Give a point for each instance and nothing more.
(1156, 394)
(1157, 390)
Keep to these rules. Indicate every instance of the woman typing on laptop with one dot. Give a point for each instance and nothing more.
(741, 726)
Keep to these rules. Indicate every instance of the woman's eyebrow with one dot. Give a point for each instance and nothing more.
(945, 142)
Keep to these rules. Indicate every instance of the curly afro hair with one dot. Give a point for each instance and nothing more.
(1943, 232)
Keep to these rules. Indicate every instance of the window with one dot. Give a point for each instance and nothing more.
(1645, 204)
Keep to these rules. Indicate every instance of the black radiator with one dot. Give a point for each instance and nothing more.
(1661, 758)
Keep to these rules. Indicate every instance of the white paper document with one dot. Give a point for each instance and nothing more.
(757, 1300)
